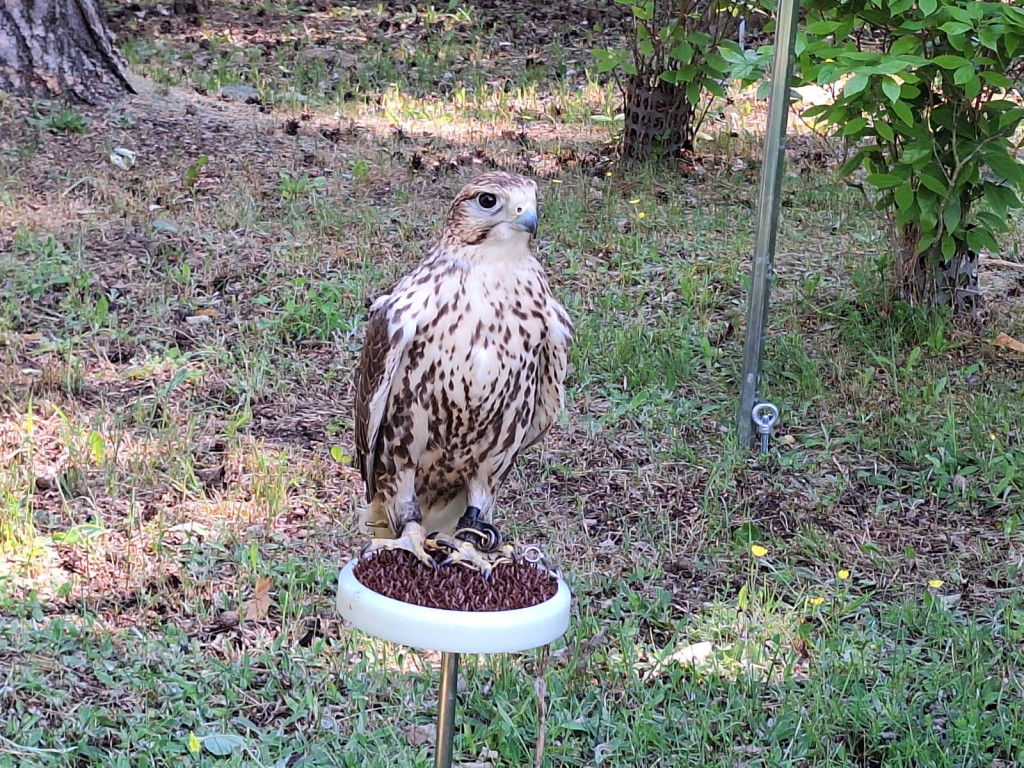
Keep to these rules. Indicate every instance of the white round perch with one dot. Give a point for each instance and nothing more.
(435, 629)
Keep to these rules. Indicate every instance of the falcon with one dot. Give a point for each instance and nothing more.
(462, 368)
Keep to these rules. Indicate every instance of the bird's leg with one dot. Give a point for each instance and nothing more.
(482, 534)
(476, 543)
(413, 536)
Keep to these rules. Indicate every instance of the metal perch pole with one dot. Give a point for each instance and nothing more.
(767, 218)
(446, 710)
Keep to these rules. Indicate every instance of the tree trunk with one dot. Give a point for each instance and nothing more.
(60, 48)
(931, 279)
(659, 120)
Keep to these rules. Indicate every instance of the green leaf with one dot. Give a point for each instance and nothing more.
(948, 246)
(910, 213)
(823, 27)
(948, 61)
(951, 215)
(713, 87)
(903, 112)
(927, 7)
(855, 85)
(995, 199)
(905, 45)
(885, 130)
(732, 53)
(76, 534)
(891, 89)
(972, 87)
(853, 163)
(996, 79)
(965, 12)
(222, 744)
(1010, 118)
(855, 127)
(991, 221)
(608, 59)
(192, 172)
(989, 37)
(884, 180)
(916, 152)
(97, 446)
(682, 52)
(929, 218)
(933, 183)
(963, 74)
(644, 11)
(1006, 167)
(164, 226)
(955, 27)
(980, 239)
(693, 92)
(904, 195)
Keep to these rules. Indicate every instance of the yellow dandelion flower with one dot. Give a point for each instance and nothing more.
(935, 583)
(641, 215)
(608, 174)
(635, 202)
(816, 601)
(991, 436)
(844, 574)
(758, 551)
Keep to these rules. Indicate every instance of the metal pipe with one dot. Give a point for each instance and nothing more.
(767, 218)
(446, 710)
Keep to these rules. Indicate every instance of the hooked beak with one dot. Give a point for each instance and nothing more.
(527, 221)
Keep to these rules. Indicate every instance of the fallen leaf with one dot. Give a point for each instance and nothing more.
(693, 654)
(487, 755)
(123, 158)
(1006, 341)
(197, 529)
(258, 605)
(420, 733)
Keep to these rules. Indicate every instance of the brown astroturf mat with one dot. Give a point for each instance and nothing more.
(400, 575)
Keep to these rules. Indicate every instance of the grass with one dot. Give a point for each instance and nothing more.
(178, 337)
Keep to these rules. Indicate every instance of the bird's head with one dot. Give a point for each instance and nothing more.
(494, 208)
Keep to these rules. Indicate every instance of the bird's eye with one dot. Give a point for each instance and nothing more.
(486, 200)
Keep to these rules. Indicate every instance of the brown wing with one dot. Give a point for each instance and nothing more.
(374, 377)
(393, 324)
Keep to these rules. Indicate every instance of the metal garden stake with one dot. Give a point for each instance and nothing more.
(767, 217)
